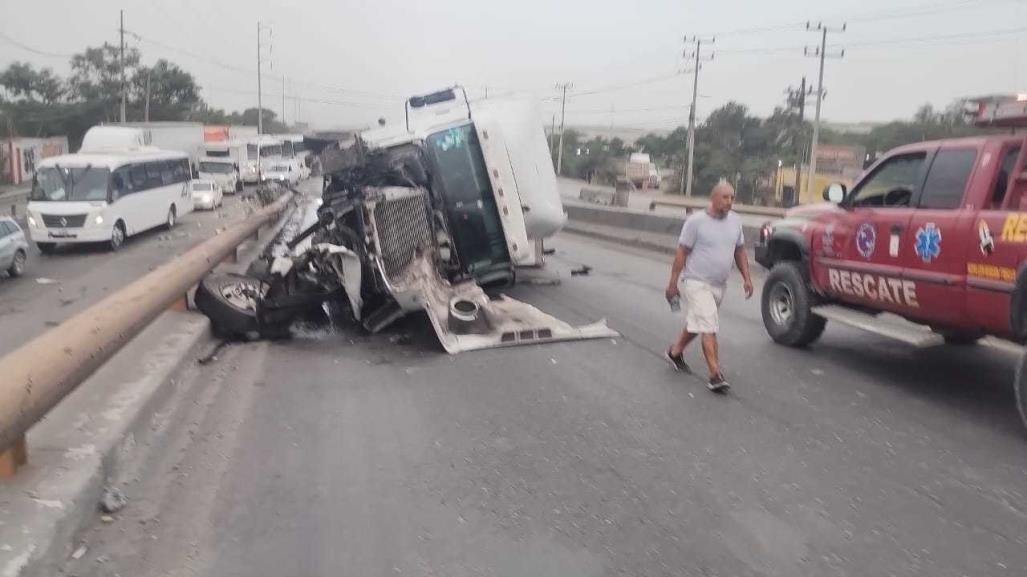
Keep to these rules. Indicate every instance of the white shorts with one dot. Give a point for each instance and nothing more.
(701, 304)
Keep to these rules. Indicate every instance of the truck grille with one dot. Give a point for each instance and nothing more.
(403, 224)
(64, 220)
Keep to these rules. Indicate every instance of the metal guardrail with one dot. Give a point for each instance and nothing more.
(43, 371)
(690, 205)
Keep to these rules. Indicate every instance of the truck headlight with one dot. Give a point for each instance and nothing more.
(32, 222)
(98, 219)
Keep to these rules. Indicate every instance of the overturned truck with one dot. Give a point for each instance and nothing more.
(425, 217)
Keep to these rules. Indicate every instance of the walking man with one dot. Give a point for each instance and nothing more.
(710, 241)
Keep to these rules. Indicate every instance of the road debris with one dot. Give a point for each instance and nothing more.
(106, 518)
(113, 500)
(213, 354)
(44, 280)
(79, 553)
(581, 271)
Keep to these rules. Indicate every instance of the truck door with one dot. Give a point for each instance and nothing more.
(934, 245)
(997, 239)
(866, 238)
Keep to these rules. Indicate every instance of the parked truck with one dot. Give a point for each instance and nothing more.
(935, 232)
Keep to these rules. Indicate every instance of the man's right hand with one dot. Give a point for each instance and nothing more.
(672, 291)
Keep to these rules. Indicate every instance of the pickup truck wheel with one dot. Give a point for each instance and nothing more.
(787, 307)
(1020, 388)
(230, 302)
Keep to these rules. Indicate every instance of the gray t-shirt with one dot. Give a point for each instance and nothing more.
(712, 242)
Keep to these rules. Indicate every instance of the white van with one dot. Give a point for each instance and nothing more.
(269, 151)
(222, 171)
(230, 151)
(107, 197)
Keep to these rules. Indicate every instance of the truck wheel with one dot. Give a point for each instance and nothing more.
(230, 302)
(787, 302)
(1020, 388)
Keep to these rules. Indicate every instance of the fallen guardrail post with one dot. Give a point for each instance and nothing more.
(43, 371)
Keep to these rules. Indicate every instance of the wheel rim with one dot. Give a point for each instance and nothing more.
(19, 263)
(171, 218)
(782, 304)
(117, 237)
(241, 295)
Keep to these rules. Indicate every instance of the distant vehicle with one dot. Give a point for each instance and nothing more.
(107, 197)
(267, 149)
(222, 171)
(14, 248)
(184, 137)
(293, 147)
(284, 172)
(233, 152)
(207, 194)
(641, 171)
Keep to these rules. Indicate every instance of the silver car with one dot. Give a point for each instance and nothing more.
(14, 248)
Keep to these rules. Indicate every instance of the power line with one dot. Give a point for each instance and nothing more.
(36, 51)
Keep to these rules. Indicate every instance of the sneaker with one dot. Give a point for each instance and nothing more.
(677, 362)
(717, 384)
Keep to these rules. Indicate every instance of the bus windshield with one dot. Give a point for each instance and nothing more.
(55, 184)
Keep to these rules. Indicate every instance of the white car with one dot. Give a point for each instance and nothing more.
(285, 173)
(207, 194)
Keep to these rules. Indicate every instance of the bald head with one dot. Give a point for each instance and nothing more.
(722, 197)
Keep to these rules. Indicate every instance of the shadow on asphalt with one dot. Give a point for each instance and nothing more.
(974, 381)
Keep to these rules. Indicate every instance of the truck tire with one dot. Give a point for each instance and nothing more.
(1020, 388)
(230, 302)
(787, 304)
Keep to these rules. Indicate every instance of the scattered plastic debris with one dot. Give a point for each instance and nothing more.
(107, 519)
(79, 553)
(581, 271)
(44, 280)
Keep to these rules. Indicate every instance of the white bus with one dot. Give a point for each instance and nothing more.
(107, 197)
(269, 149)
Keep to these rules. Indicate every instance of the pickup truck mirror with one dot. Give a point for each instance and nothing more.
(835, 193)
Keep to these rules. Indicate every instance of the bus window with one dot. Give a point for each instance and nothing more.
(137, 174)
(153, 177)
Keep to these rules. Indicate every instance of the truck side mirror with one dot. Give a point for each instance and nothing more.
(835, 193)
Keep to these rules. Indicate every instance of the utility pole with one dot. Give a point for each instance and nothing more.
(552, 134)
(260, 102)
(820, 52)
(283, 100)
(123, 96)
(798, 98)
(146, 113)
(563, 111)
(697, 65)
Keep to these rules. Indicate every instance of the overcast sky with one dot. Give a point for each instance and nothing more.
(348, 62)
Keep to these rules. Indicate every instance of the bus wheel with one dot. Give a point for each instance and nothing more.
(171, 217)
(117, 237)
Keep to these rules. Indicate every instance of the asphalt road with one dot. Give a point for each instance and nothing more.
(340, 454)
(57, 286)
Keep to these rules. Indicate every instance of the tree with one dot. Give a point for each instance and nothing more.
(21, 80)
(96, 76)
(173, 91)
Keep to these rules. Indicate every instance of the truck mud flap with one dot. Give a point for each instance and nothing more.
(466, 319)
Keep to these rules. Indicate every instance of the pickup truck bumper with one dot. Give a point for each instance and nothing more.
(762, 252)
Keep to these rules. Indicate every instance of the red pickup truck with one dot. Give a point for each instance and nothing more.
(935, 232)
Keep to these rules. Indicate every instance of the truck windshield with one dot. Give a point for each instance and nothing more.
(56, 184)
(461, 179)
(216, 167)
